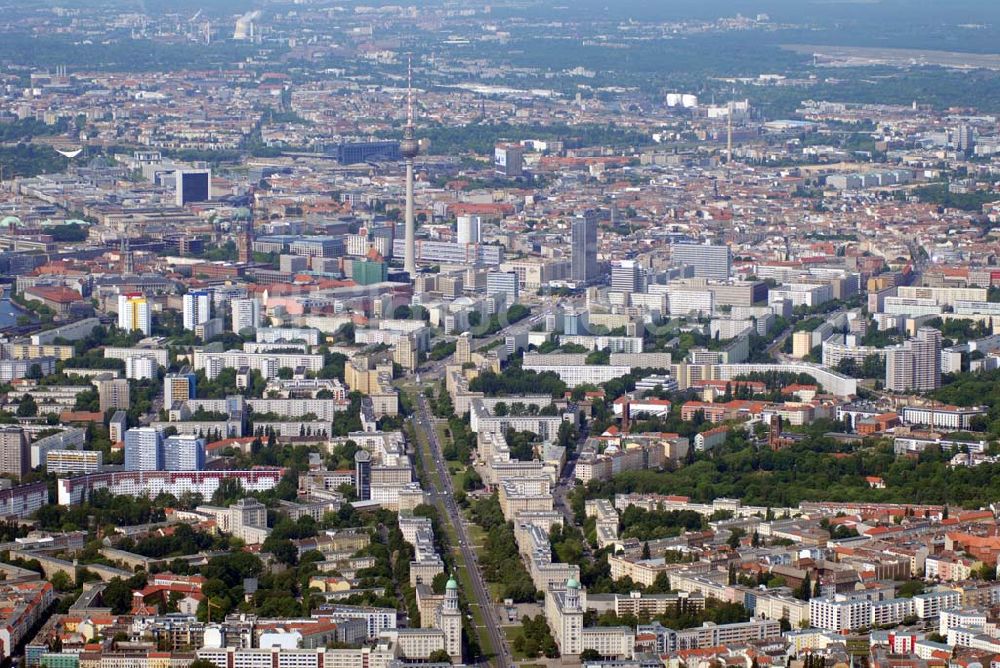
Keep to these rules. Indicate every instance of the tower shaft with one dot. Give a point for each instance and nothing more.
(410, 257)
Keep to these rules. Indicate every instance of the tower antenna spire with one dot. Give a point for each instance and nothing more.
(729, 129)
(409, 91)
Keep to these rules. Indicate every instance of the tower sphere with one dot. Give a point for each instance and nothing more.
(409, 146)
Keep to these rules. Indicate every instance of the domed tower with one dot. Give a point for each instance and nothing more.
(450, 621)
(572, 594)
(409, 148)
(565, 615)
(451, 594)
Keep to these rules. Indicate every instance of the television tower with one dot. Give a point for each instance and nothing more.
(409, 147)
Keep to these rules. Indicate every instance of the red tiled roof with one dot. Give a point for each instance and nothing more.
(59, 294)
(81, 416)
(226, 442)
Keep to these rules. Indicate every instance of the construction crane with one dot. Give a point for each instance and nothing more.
(208, 609)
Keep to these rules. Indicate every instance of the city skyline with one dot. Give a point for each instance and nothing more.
(364, 335)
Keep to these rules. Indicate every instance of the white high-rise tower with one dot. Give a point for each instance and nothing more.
(246, 314)
(197, 308)
(134, 313)
(409, 147)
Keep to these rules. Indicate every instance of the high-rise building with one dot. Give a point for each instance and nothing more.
(246, 314)
(463, 348)
(367, 272)
(197, 308)
(451, 285)
(210, 329)
(15, 459)
(706, 261)
(583, 260)
(405, 354)
(118, 426)
(193, 185)
(915, 365)
(247, 512)
(965, 139)
(449, 620)
(134, 313)
(576, 322)
(469, 229)
(502, 283)
(508, 160)
(178, 388)
(143, 450)
(926, 349)
(113, 393)
(628, 276)
(246, 26)
(363, 474)
(183, 452)
(898, 369)
(141, 367)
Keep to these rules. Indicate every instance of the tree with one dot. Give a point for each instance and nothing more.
(590, 655)
(231, 568)
(471, 480)
(27, 407)
(645, 550)
(439, 582)
(229, 491)
(439, 656)
(282, 548)
(661, 585)
(910, 588)
(804, 591)
(61, 581)
(117, 595)
(202, 663)
(444, 407)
